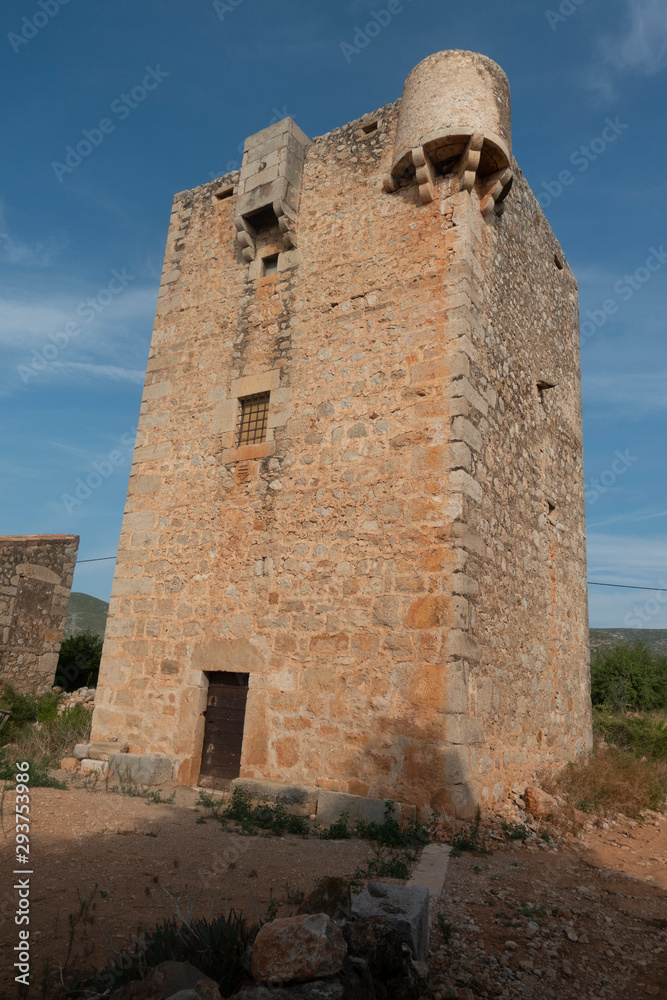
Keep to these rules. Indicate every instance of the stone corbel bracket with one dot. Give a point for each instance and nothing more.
(270, 184)
(477, 160)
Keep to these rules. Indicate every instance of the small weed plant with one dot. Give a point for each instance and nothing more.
(532, 912)
(389, 832)
(445, 928)
(470, 839)
(385, 863)
(515, 831)
(339, 830)
(264, 818)
(127, 785)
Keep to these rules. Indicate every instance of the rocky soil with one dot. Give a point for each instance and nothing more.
(576, 920)
(580, 918)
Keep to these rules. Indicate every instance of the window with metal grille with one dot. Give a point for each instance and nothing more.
(253, 416)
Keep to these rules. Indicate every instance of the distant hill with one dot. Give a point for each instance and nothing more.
(85, 614)
(654, 638)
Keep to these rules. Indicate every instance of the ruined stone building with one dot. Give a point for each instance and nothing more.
(35, 582)
(353, 551)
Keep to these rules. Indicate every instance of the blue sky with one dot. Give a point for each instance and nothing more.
(167, 91)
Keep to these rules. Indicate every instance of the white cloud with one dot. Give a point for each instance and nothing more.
(627, 559)
(8, 469)
(632, 517)
(631, 393)
(641, 47)
(87, 372)
(644, 48)
(112, 346)
(24, 324)
(16, 251)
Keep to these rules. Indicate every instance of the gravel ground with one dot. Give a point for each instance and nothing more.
(563, 921)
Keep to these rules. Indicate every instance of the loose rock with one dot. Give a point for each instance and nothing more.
(298, 949)
(538, 803)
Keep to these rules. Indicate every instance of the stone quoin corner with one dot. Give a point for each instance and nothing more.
(353, 552)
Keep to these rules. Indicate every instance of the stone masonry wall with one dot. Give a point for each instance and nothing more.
(524, 678)
(35, 582)
(383, 566)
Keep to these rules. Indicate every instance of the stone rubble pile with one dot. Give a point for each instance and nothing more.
(333, 949)
(82, 696)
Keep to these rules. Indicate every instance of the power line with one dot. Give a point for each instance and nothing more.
(591, 583)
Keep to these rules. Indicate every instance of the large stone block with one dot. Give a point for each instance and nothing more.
(300, 800)
(407, 906)
(331, 805)
(145, 769)
(103, 749)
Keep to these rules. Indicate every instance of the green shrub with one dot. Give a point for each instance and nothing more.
(79, 661)
(339, 830)
(213, 946)
(389, 833)
(629, 676)
(39, 774)
(643, 735)
(26, 708)
(36, 733)
(273, 819)
(385, 863)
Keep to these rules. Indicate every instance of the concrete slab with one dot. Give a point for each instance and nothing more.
(431, 871)
(331, 805)
(405, 905)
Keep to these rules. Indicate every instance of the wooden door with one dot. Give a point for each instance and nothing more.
(223, 731)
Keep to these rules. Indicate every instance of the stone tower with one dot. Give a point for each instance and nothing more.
(353, 551)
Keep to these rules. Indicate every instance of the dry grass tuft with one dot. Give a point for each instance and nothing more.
(610, 781)
(51, 740)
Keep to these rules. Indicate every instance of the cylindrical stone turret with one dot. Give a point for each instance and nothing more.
(451, 95)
